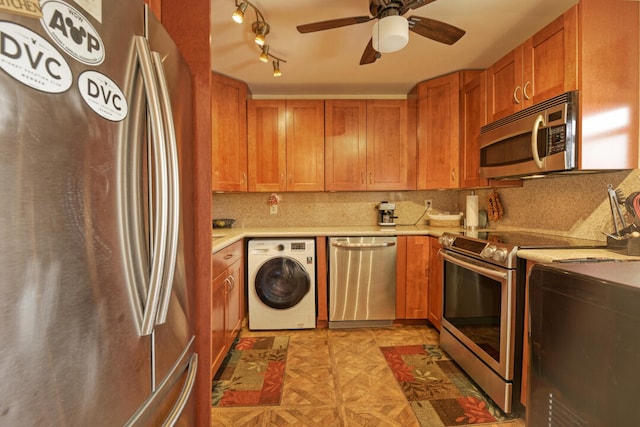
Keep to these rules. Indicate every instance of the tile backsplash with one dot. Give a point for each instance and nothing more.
(571, 205)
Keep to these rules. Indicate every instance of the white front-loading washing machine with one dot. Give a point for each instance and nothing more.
(282, 283)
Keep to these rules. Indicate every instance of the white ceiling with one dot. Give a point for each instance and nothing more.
(326, 63)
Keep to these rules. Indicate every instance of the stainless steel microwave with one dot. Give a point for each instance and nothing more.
(537, 140)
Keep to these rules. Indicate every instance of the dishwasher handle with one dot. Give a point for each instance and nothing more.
(362, 245)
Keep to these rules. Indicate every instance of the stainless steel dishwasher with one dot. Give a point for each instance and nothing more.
(362, 281)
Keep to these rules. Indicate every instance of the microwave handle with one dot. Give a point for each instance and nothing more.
(534, 140)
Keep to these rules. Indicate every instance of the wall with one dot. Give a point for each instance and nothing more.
(571, 205)
(326, 209)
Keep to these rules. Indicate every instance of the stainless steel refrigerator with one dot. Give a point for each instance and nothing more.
(95, 266)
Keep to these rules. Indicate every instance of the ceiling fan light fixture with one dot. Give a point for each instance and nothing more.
(390, 34)
(238, 15)
(276, 68)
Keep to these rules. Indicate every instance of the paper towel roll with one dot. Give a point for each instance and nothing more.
(472, 211)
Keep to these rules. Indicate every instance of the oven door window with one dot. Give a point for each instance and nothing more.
(473, 304)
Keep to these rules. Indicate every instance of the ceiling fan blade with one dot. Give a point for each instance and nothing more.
(333, 23)
(414, 4)
(369, 55)
(435, 30)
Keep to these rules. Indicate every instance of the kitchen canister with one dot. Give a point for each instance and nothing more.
(472, 211)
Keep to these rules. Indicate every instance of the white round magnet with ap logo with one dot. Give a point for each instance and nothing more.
(103, 95)
(73, 32)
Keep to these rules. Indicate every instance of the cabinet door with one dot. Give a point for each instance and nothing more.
(438, 132)
(417, 277)
(504, 89)
(229, 134)
(391, 161)
(473, 116)
(550, 59)
(525, 342)
(305, 145)
(266, 135)
(217, 316)
(234, 312)
(436, 265)
(345, 145)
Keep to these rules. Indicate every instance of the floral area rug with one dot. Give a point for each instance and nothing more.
(252, 374)
(438, 391)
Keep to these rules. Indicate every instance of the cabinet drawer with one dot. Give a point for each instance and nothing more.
(225, 257)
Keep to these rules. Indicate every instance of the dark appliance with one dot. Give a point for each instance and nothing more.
(537, 140)
(483, 306)
(585, 344)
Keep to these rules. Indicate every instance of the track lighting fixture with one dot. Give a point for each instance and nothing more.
(276, 68)
(238, 15)
(260, 28)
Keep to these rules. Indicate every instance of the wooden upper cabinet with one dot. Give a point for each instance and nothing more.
(391, 148)
(542, 67)
(305, 145)
(286, 145)
(473, 115)
(266, 137)
(370, 145)
(229, 134)
(345, 145)
(439, 132)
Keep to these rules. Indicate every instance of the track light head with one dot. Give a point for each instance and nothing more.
(276, 68)
(261, 29)
(264, 56)
(238, 15)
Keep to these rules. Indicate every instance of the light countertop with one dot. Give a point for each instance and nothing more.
(223, 237)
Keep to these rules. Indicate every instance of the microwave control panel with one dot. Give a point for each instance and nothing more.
(556, 139)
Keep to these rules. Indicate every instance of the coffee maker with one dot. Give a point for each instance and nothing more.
(386, 213)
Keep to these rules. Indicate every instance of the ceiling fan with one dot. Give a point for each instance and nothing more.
(391, 32)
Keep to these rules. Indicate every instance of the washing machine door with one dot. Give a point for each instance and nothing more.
(282, 282)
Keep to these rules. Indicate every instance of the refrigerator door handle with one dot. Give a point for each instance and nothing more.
(171, 146)
(158, 217)
(185, 394)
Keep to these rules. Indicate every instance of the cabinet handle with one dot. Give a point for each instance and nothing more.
(453, 174)
(244, 178)
(228, 256)
(362, 178)
(232, 280)
(524, 90)
(515, 95)
(370, 177)
(290, 178)
(227, 285)
(282, 178)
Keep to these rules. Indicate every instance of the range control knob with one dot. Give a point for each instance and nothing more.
(500, 255)
(488, 251)
(445, 240)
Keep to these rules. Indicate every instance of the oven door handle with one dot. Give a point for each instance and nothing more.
(483, 270)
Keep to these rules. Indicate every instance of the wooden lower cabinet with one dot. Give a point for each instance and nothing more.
(525, 341)
(436, 266)
(227, 301)
(412, 277)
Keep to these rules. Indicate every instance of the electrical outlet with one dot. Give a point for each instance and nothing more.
(273, 209)
(427, 203)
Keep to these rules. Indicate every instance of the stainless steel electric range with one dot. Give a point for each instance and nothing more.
(483, 305)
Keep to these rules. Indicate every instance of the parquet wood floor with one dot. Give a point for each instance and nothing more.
(337, 378)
